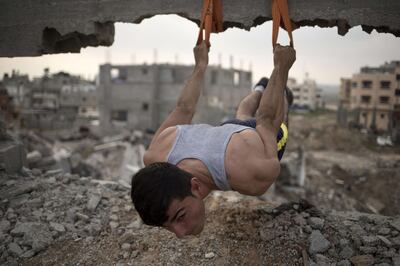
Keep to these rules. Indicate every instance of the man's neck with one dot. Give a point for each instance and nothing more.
(200, 171)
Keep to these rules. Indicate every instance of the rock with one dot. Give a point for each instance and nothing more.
(370, 240)
(36, 235)
(299, 220)
(396, 260)
(396, 241)
(5, 226)
(363, 260)
(115, 209)
(346, 253)
(35, 203)
(136, 224)
(126, 246)
(134, 254)
(14, 190)
(57, 227)
(114, 217)
(344, 263)
(321, 260)
(28, 254)
(318, 243)
(82, 217)
(113, 225)
(209, 255)
(396, 224)
(93, 229)
(316, 223)
(385, 240)
(384, 231)
(94, 200)
(368, 250)
(15, 249)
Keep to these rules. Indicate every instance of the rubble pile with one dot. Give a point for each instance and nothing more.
(37, 209)
(67, 219)
(110, 158)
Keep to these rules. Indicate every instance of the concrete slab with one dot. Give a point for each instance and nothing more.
(12, 156)
(33, 28)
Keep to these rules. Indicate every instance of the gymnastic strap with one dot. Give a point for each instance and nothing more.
(280, 10)
(211, 20)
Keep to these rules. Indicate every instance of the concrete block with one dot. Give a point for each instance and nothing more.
(33, 28)
(12, 156)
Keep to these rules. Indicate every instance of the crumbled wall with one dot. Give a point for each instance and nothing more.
(32, 28)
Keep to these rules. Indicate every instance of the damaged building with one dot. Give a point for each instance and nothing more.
(57, 100)
(141, 96)
(370, 99)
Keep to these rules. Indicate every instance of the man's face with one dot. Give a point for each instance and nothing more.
(186, 217)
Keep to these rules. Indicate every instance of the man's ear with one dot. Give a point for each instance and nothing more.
(198, 188)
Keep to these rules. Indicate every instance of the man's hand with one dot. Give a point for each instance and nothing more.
(201, 55)
(284, 56)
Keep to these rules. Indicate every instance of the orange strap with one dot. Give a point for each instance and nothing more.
(280, 10)
(211, 20)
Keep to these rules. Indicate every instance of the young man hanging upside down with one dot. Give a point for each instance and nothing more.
(185, 162)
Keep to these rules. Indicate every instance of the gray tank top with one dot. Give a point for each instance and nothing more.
(207, 144)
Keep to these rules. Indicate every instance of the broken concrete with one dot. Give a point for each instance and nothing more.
(32, 28)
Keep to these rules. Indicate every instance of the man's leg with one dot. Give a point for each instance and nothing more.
(248, 106)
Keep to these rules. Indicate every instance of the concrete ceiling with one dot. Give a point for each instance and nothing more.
(36, 27)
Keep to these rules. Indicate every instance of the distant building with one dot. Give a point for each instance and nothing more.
(57, 100)
(141, 96)
(18, 87)
(306, 95)
(371, 98)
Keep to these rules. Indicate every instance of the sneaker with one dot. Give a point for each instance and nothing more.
(263, 82)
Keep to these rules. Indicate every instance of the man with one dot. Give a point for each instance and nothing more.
(184, 162)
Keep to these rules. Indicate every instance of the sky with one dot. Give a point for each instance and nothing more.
(321, 52)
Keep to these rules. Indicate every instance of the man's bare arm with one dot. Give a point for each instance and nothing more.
(187, 101)
(271, 111)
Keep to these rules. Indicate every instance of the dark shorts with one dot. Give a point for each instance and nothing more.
(281, 139)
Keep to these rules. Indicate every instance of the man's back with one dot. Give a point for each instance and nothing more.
(243, 157)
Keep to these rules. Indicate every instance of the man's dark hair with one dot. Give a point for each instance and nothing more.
(153, 189)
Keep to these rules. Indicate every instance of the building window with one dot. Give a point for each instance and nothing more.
(398, 77)
(145, 106)
(144, 71)
(385, 84)
(119, 115)
(367, 84)
(384, 99)
(354, 84)
(365, 99)
(397, 92)
(382, 116)
(364, 114)
(248, 76)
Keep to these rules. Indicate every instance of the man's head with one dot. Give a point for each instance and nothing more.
(165, 195)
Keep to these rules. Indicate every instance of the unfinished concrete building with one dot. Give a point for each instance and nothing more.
(307, 95)
(371, 98)
(141, 96)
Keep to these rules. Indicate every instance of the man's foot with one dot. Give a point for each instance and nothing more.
(261, 84)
